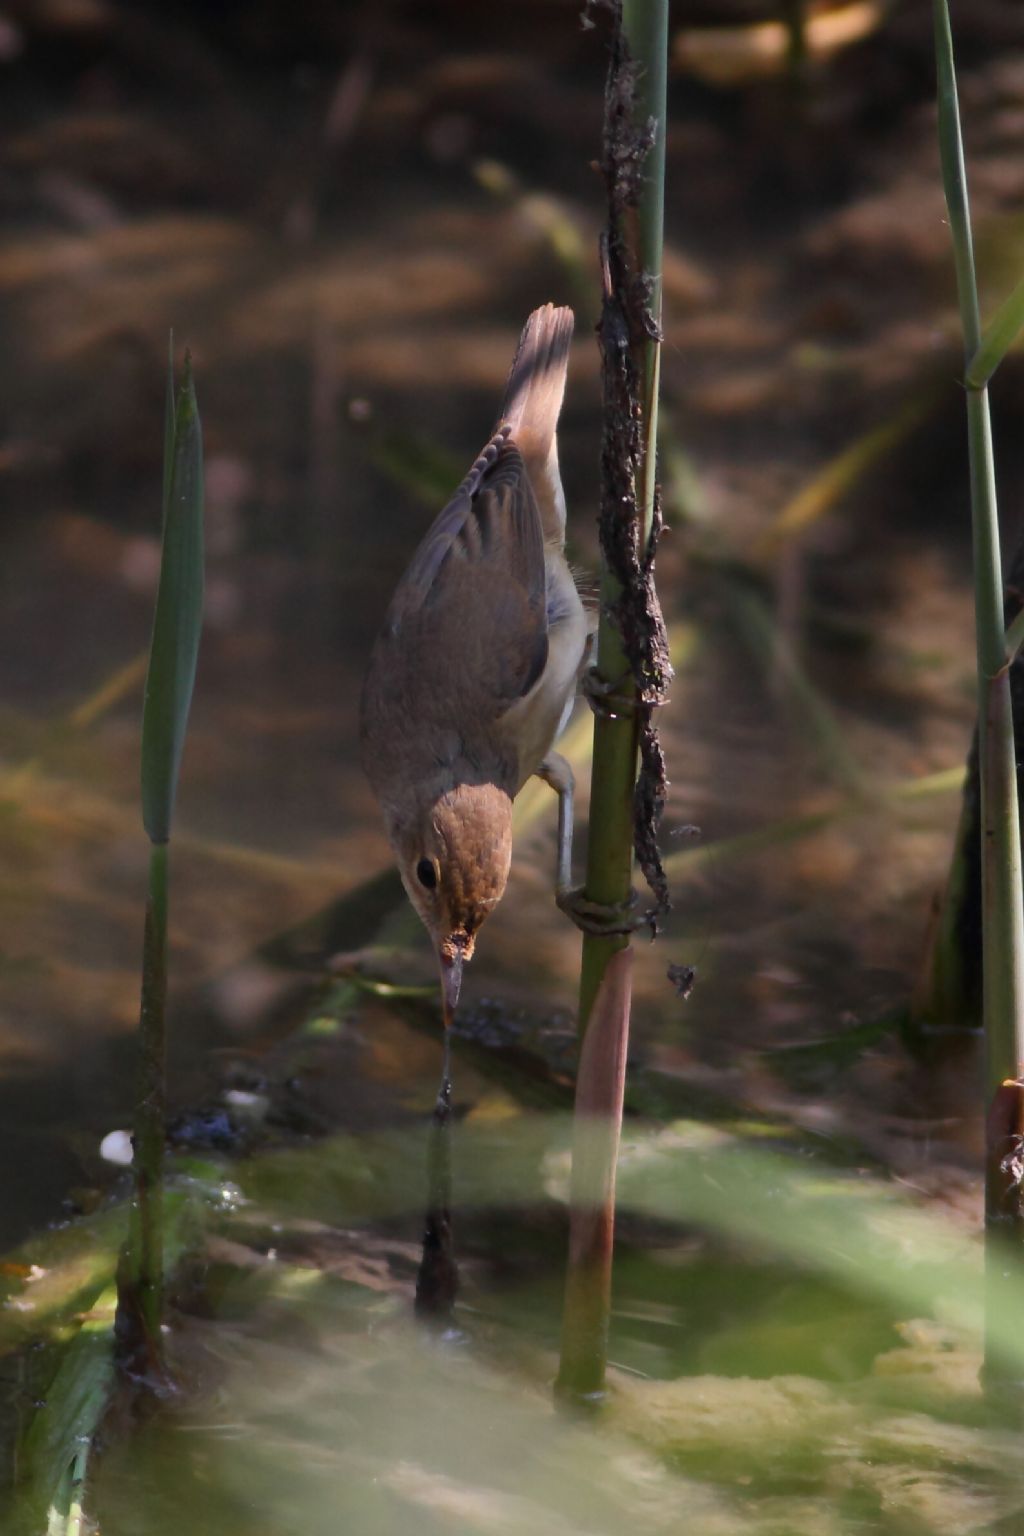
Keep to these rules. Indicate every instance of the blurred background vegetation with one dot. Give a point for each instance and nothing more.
(347, 210)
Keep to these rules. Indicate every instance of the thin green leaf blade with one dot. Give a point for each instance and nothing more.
(954, 177)
(1002, 890)
(168, 427)
(178, 620)
(58, 1442)
(1014, 637)
(999, 337)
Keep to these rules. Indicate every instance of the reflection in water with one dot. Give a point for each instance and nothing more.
(788, 1340)
(437, 1282)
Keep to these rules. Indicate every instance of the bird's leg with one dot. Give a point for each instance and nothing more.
(554, 770)
(590, 916)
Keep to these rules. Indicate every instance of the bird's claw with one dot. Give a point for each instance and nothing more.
(604, 698)
(604, 921)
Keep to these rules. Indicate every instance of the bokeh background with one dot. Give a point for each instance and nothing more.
(346, 211)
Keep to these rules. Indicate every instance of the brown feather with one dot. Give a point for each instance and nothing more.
(533, 401)
(466, 632)
(477, 661)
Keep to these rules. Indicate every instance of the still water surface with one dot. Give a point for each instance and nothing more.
(770, 1370)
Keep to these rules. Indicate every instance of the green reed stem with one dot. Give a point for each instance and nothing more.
(613, 776)
(146, 1235)
(1002, 890)
(605, 977)
(170, 679)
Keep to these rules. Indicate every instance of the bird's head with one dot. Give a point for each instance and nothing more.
(454, 858)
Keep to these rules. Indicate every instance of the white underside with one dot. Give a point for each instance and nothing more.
(536, 720)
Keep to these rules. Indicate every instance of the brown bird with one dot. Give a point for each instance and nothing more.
(474, 672)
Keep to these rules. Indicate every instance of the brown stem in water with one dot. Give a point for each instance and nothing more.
(597, 1123)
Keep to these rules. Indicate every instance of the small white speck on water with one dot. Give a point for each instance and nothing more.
(116, 1147)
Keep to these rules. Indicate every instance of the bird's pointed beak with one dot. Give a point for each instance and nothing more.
(451, 955)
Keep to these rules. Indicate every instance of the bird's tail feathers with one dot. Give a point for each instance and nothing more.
(536, 384)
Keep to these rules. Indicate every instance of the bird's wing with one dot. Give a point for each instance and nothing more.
(468, 621)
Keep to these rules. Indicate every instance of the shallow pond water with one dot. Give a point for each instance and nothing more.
(352, 296)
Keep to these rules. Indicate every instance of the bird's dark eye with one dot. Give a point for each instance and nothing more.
(426, 873)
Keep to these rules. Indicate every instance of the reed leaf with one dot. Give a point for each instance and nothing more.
(1014, 637)
(839, 476)
(1002, 890)
(1004, 897)
(169, 682)
(59, 1442)
(179, 610)
(1000, 335)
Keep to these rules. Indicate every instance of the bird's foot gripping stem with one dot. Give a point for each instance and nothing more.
(597, 918)
(607, 699)
(590, 916)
